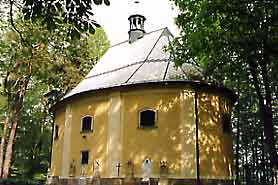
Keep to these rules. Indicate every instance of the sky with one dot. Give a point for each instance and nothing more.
(114, 18)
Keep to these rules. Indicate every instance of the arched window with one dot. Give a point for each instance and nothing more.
(147, 118)
(87, 124)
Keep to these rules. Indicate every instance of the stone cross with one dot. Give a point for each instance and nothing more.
(118, 166)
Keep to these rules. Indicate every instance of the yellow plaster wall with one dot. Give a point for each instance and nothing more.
(96, 141)
(214, 145)
(161, 143)
(188, 134)
(173, 140)
(57, 145)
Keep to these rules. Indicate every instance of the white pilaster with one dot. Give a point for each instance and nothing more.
(114, 146)
(67, 139)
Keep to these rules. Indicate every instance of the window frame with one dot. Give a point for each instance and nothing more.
(155, 118)
(92, 124)
(81, 157)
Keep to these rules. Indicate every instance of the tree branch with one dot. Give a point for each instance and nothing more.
(13, 25)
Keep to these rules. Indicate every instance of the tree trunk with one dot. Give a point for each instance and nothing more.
(263, 177)
(9, 150)
(265, 107)
(257, 162)
(2, 144)
(16, 112)
(268, 115)
(237, 134)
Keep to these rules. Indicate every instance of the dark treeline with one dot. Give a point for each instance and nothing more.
(252, 160)
(235, 43)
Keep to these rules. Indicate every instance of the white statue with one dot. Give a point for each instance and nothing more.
(146, 169)
(96, 175)
(96, 169)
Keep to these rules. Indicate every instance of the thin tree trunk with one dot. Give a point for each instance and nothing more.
(257, 162)
(265, 107)
(16, 112)
(268, 115)
(9, 150)
(247, 170)
(237, 134)
(263, 178)
(2, 144)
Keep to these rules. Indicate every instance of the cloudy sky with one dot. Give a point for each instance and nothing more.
(114, 18)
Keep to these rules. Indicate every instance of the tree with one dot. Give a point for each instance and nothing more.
(75, 17)
(35, 57)
(56, 13)
(231, 37)
(33, 139)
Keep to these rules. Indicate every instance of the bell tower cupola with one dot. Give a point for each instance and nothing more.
(136, 26)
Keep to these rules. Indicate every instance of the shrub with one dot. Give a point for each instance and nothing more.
(20, 182)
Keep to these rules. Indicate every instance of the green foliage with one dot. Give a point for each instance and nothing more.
(235, 42)
(20, 182)
(56, 13)
(53, 65)
(64, 62)
(220, 33)
(32, 146)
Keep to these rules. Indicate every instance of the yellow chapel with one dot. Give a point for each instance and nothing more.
(136, 118)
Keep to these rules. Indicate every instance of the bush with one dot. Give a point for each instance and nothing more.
(20, 182)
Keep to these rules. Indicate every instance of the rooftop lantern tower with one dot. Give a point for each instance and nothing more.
(136, 26)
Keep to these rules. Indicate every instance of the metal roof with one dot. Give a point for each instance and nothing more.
(145, 60)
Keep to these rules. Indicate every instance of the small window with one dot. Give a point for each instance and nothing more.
(226, 123)
(56, 132)
(147, 119)
(86, 124)
(85, 157)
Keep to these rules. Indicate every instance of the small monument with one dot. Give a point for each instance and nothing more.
(51, 179)
(130, 169)
(72, 169)
(96, 169)
(163, 169)
(118, 166)
(129, 179)
(82, 179)
(163, 180)
(96, 175)
(146, 170)
(83, 170)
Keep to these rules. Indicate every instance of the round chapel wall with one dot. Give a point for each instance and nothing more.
(124, 142)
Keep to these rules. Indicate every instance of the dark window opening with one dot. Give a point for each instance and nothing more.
(147, 119)
(86, 124)
(84, 157)
(56, 132)
(226, 124)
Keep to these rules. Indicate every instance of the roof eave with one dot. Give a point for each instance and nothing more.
(196, 85)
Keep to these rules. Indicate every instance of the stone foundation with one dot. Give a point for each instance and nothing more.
(133, 181)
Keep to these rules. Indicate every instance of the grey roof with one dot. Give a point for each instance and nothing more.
(145, 60)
